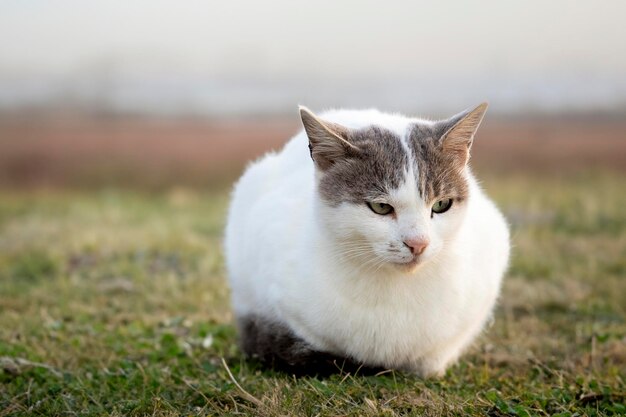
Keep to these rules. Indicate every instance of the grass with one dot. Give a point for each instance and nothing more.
(115, 303)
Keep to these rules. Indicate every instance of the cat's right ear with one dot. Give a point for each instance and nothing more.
(328, 141)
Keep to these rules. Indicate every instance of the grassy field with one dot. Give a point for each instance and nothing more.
(115, 302)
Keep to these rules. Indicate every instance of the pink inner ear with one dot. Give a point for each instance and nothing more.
(459, 147)
(460, 137)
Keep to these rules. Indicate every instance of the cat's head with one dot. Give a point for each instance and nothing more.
(390, 197)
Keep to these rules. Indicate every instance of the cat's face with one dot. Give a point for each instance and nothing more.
(392, 201)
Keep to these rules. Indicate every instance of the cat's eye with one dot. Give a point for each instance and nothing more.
(380, 208)
(442, 206)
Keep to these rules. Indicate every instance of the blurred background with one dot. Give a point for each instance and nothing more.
(159, 93)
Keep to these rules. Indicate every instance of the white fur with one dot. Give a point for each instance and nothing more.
(327, 274)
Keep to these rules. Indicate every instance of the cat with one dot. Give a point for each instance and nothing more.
(374, 247)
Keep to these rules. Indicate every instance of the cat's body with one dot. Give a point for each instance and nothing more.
(314, 269)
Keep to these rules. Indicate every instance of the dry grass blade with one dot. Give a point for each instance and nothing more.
(16, 366)
(245, 394)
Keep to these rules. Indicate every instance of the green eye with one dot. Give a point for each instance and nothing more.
(442, 206)
(380, 208)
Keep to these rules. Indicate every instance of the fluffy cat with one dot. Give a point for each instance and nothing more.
(375, 245)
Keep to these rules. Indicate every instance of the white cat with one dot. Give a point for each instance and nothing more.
(376, 244)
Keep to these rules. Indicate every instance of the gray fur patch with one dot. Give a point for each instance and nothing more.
(276, 346)
(369, 174)
(440, 173)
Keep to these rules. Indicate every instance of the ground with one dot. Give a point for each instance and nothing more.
(114, 301)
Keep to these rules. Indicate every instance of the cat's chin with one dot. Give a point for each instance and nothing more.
(408, 267)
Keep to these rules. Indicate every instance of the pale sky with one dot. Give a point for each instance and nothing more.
(514, 43)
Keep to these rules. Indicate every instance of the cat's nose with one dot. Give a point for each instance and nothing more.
(417, 246)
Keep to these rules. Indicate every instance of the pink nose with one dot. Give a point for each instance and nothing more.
(417, 246)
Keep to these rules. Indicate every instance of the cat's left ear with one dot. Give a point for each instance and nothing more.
(460, 131)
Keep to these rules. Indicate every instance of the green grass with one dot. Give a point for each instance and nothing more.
(115, 303)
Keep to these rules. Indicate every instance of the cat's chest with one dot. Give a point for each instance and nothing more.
(374, 315)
